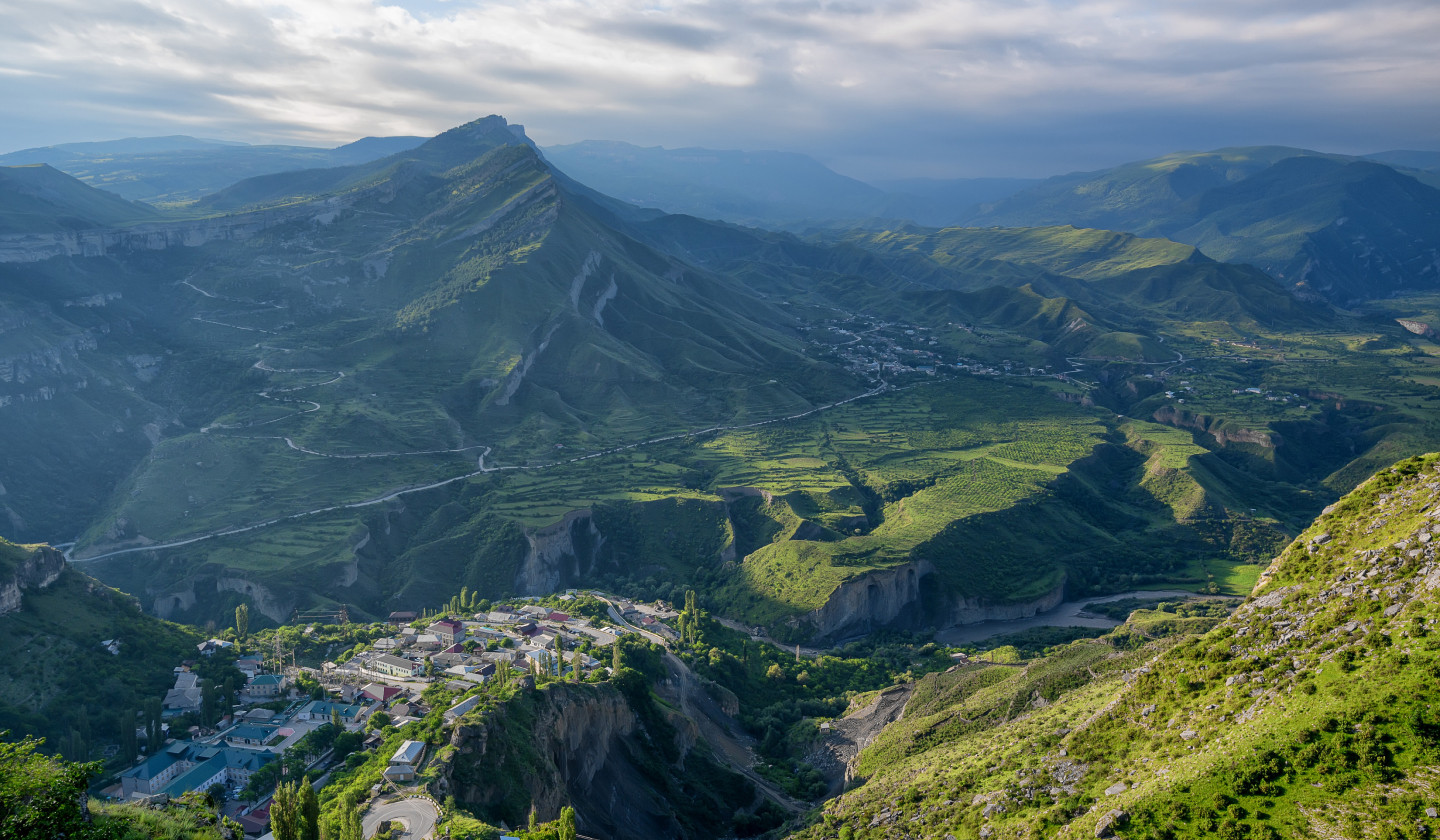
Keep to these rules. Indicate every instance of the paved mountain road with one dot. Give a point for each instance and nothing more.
(418, 815)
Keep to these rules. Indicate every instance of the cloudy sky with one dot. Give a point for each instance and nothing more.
(874, 89)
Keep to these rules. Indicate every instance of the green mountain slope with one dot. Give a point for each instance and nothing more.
(40, 199)
(1345, 228)
(1306, 713)
(59, 682)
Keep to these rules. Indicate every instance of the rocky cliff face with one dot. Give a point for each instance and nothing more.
(559, 554)
(902, 597)
(1223, 435)
(879, 599)
(22, 248)
(974, 610)
(37, 570)
(565, 744)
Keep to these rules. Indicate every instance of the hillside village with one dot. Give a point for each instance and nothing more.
(316, 718)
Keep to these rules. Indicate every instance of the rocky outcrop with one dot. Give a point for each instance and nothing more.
(559, 554)
(1217, 429)
(573, 730)
(898, 598)
(878, 599)
(37, 570)
(34, 247)
(625, 762)
(976, 610)
(258, 595)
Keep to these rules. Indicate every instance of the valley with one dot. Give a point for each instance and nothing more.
(947, 508)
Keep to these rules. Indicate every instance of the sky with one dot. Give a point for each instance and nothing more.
(884, 89)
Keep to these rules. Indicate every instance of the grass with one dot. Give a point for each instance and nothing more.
(1282, 720)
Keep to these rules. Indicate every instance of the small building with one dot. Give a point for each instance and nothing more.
(321, 709)
(209, 646)
(403, 617)
(381, 692)
(410, 752)
(396, 666)
(448, 631)
(265, 685)
(459, 709)
(251, 735)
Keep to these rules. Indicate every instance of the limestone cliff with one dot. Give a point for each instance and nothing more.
(27, 568)
(908, 597)
(1223, 433)
(559, 554)
(157, 236)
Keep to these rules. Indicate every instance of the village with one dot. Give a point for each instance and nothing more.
(316, 718)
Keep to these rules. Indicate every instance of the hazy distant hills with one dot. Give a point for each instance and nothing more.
(1346, 228)
(180, 168)
(767, 189)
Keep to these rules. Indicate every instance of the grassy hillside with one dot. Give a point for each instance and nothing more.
(40, 199)
(1306, 713)
(61, 684)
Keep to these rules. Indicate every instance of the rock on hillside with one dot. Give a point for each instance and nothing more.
(1310, 712)
(24, 568)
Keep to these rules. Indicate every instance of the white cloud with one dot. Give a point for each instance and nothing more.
(735, 70)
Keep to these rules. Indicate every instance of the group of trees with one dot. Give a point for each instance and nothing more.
(295, 812)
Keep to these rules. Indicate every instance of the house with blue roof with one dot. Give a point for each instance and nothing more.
(320, 710)
(251, 735)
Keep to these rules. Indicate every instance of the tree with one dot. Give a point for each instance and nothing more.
(129, 746)
(350, 824)
(285, 815)
(154, 734)
(309, 812)
(42, 796)
(575, 666)
(567, 823)
(242, 622)
(335, 717)
(615, 657)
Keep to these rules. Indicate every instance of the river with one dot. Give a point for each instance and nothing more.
(1065, 615)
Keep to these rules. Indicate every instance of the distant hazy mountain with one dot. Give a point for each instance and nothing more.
(1428, 161)
(941, 202)
(179, 168)
(1344, 227)
(767, 189)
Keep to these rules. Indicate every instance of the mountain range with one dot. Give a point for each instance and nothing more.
(362, 383)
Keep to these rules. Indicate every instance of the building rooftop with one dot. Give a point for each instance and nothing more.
(409, 753)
